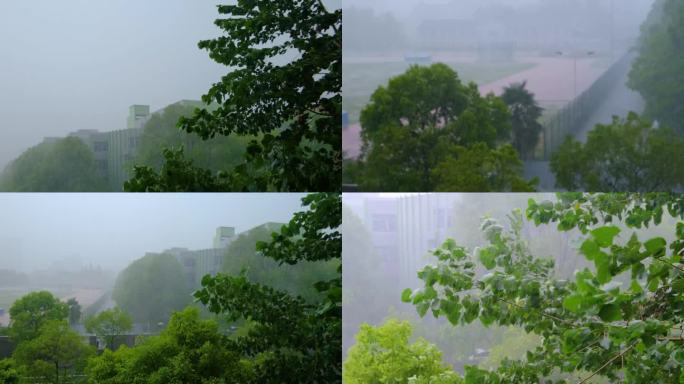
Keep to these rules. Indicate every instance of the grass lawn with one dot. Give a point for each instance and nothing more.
(360, 80)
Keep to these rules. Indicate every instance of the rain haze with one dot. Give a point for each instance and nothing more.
(389, 238)
(568, 53)
(77, 64)
(75, 231)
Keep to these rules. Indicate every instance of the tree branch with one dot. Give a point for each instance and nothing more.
(619, 355)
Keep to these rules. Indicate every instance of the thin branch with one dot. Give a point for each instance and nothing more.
(540, 312)
(619, 355)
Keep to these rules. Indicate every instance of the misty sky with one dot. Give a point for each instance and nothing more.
(110, 230)
(78, 64)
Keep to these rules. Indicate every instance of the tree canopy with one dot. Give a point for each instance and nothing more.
(627, 155)
(283, 90)
(384, 355)
(287, 340)
(151, 288)
(620, 319)
(189, 350)
(161, 131)
(658, 72)
(55, 351)
(65, 165)
(297, 279)
(525, 114)
(425, 127)
(292, 340)
(32, 311)
(108, 325)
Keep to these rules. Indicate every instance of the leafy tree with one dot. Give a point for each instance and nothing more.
(293, 108)
(56, 348)
(426, 119)
(291, 340)
(9, 374)
(32, 311)
(189, 350)
(109, 325)
(594, 323)
(658, 72)
(151, 288)
(480, 169)
(383, 355)
(295, 279)
(74, 311)
(525, 114)
(161, 131)
(65, 165)
(627, 155)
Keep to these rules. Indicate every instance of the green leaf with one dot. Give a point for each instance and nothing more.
(573, 303)
(656, 246)
(678, 285)
(635, 287)
(406, 295)
(610, 312)
(590, 249)
(604, 235)
(487, 258)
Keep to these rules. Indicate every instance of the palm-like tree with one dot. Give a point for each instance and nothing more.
(525, 114)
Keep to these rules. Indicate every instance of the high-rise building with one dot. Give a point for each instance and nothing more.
(223, 237)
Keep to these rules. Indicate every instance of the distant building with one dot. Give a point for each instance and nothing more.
(404, 228)
(223, 237)
(114, 151)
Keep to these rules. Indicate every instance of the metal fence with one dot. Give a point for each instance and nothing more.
(575, 114)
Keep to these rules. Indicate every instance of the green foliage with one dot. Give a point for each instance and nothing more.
(480, 169)
(161, 131)
(525, 114)
(74, 311)
(65, 165)
(189, 350)
(297, 279)
(151, 288)
(384, 355)
(658, 72)
(294, 109)
(290, 341)
(32, 311)
(426, 127)
(54, 351)
(592, 323)
(9, 374)
(627, 155)
(109, 325)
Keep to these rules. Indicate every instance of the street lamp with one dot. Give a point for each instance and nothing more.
(587, 54)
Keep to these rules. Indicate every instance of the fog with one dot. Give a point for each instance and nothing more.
(388, 238)
(73, 231)
(79, 64)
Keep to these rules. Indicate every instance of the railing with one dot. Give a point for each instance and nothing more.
(575, 114)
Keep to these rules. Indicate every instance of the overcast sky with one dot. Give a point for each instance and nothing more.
(110, 230)
(79, 64)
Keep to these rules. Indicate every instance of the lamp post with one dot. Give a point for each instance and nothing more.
(574, 71)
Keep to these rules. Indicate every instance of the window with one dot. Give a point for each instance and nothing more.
(384, 223)
(101, 146)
